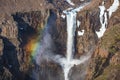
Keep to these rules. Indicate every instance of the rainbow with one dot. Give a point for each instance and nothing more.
(32, 46)
(34, 41)
(30, 49)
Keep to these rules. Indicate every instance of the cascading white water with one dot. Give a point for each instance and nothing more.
(70, 2)
(71, 27)
(68, 62)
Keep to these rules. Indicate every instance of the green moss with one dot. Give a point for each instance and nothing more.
(107, 72)
(110, 38)
(110, 42)
(112, 49)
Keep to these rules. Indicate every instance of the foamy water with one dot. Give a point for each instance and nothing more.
(68, 62)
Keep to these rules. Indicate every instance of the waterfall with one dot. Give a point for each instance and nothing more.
(45, 50)
(71, 27)
(70, 2)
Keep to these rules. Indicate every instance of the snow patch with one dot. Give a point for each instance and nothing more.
(103, 28)
(113, 8)
(78, 23)
(103, 16)
(63, 16)
(103, 21)
(80, 33)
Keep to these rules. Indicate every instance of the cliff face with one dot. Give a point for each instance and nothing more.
(22, 23)
(104, 64)
(17, 30)
(14, 6)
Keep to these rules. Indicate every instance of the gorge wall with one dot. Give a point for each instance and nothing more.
(22, 27)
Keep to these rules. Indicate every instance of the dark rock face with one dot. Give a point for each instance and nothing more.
(9, 57)
(16, 30)
(23, 21)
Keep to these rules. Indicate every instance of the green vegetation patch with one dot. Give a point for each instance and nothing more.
(108, 71)
(110, 38)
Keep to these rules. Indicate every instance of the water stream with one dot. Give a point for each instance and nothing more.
(68, 61)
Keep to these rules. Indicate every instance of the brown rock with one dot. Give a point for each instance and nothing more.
(115, 60)
(101, 52)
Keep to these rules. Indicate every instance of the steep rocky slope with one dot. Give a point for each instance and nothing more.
(104, 64)
(13, 6)
(22, 23)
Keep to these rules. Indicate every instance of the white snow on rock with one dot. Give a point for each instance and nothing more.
(102, 10)
(103, 27)
(63, 16)
(78, 23)
(70, 2)
(113, 8)
(80, 33)
(103, 16)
